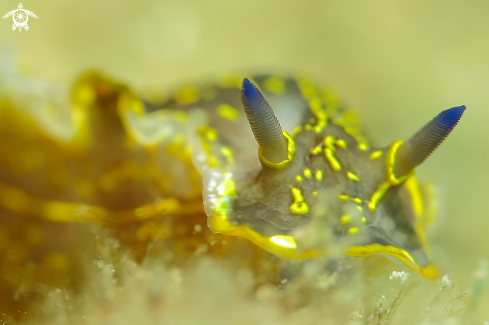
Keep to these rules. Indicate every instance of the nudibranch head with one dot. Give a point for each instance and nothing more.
(369, 199)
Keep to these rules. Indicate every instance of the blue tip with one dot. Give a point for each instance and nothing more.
(449, 118)
(251, 92)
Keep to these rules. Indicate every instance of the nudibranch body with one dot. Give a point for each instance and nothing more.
(267, 166)
(318, 165)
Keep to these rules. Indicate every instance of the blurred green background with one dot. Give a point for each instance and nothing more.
(398, 62)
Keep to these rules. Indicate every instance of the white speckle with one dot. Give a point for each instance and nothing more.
(399, 275)
(445, 281)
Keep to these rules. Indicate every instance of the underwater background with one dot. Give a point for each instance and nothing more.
(397, 63)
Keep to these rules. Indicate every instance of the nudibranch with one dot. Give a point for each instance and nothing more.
(114, 159)
(322, 168)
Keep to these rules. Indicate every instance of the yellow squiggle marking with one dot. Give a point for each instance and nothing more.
(341, 143)
(391, 179)
(335, 164)
(299, 206)
(283, 163)
(329, 142)
(20, 202)
(316, 150)
(428, 271)
(414, 191)
(377, 195)
(352, 176)
(376, 154)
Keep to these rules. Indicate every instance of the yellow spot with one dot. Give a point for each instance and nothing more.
(318, 128)
(228, 153)
(335, 164)
(299, 206)
(329, 142)
(357, 200)
(344, 197)
(308, 127)
(228, 112)
(353, 230)
(364, 219)
(376, 154)
(319, 175)
(316, 150)
(315, 193)
(345, 219)
(352, 176)
(186, 95)
(340, 143)
(284, 241)
(275, 85)
(207, 132)
(298, 178)
(359, 208)
(363, 146)
(307, 173)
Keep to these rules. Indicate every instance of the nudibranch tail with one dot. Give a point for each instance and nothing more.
(264, 124)
(416, 149)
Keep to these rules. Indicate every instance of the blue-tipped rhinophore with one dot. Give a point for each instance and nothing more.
(263, 123)
(416, 149)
